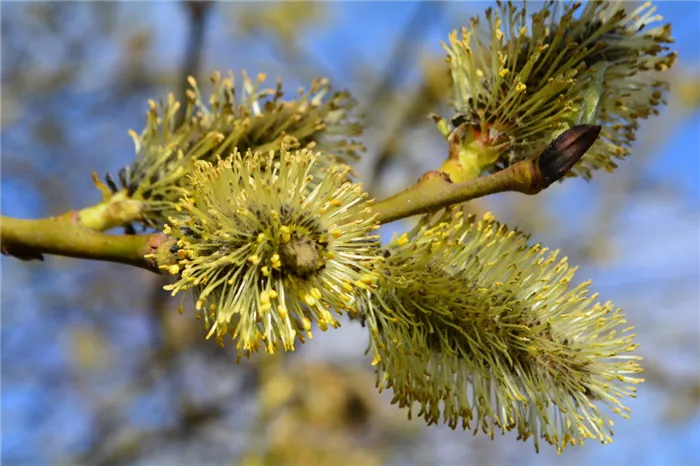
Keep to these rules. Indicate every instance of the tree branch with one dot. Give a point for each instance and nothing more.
(67, 236)
(435, 190)
(73, 234)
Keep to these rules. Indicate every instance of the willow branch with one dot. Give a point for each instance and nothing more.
(67, 236)
(435, 190)
(74, 234)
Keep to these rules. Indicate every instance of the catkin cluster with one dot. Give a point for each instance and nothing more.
(469, 324)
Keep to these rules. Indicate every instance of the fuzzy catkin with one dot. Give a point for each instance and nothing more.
(268, 250)
(478, 328)
(247, 117)
(520, 80)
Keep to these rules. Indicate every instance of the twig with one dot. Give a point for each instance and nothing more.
(435, 190)
(197, 15)
(67, 236)
(410, 38)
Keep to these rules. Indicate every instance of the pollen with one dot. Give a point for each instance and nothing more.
(275, 261)
(403, 239)
(310, 300)
(316, 293)
(306, 323)
(286, 234)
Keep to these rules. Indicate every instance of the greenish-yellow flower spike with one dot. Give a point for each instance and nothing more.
(524, 80)
(247, 117)
(268, 250)
(477, 327)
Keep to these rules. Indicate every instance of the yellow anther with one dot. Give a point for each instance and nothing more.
(286, 234)
(276, 263)
(367, 278)
(310, 300)
(306, 323)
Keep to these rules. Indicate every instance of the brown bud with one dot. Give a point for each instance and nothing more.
(563, 153)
